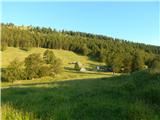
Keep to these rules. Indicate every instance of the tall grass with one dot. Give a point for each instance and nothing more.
(10, 113)
(127, 97)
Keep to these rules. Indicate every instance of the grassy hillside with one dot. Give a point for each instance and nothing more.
(127, 97)
(80, 96)
(67, 56)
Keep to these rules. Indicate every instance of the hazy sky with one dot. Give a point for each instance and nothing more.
(135, 21)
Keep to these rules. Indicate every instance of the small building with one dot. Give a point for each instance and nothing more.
(145, 67)
(97, 68)
(83, 69)
(78, 65)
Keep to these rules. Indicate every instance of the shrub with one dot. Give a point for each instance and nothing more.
(33, 64)
(3, 47)
(49, 57)
(45, 71)
(56, 67)
(13, 72)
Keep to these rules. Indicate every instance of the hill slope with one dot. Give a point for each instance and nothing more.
(114, 52)
(66, 56)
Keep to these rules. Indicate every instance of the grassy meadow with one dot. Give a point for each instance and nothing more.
(66, 56)
(126, 97)
(80, 95)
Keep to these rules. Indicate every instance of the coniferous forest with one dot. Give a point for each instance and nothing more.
(116, 53)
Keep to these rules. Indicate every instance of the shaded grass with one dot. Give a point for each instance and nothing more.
(127, 97)
(64, 76)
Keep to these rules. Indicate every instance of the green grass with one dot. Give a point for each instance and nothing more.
(126, 97)
(9, 113)
(65, 76)
(80, 95)
(67, 56)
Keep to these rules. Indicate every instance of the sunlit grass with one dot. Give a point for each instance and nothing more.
(74, 95)
(9, 113)
(67, 56)
(65, 76)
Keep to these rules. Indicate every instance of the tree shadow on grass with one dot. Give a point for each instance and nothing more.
(85, 99)
(92, 58)
(89, 71)
(60, 99)
(69, 68)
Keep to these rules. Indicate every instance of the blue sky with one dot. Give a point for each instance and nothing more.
(134, 21)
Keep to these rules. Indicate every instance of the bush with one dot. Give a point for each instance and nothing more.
(33, 64)
(13, 72)
(156, 66)
(34, 68)
(45, 71)
(3, 47)
(56, 67)
(49, 57)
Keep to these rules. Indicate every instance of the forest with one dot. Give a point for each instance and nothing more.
(120, 55)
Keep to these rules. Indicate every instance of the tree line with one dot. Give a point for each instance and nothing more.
(116, 53)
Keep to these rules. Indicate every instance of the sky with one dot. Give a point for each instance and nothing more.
(133, 21)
